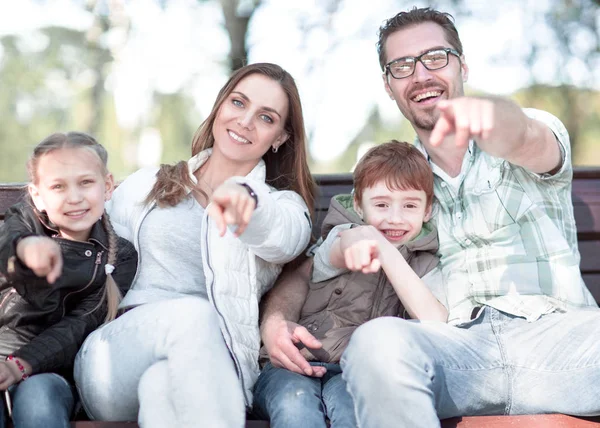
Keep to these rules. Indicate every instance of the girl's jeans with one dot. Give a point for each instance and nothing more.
(164, 364)
(43, 400)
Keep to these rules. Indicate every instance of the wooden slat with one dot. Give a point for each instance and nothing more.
(593, 284)
(529, 421)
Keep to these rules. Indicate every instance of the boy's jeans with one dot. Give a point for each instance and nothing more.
(292, 400)
(407, 374)
(43, 400)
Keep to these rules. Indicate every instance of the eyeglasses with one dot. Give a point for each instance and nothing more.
(431, 60)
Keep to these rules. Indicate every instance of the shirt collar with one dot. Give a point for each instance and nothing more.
(259, 172)
(419, 145)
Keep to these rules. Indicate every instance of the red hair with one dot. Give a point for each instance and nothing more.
(401, 165)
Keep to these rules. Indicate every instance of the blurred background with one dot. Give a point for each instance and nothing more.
(141, 75)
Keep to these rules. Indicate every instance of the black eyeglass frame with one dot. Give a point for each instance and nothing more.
(418, 59)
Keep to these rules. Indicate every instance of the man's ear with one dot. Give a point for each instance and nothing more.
(464, 69)
(35, 197)
(386, 85)
(109, 183)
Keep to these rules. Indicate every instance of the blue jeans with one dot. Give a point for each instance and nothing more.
(293, 400)
(407, 374)
(164, 364)
(43, 400)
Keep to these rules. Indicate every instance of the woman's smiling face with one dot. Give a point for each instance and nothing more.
(251, 120)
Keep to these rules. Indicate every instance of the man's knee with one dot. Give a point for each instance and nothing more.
(381, 339)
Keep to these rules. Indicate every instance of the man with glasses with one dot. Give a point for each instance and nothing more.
(522, 332)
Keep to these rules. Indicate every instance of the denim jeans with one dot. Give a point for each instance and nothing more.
(292, 400)
(164, 364)
(43, 400)
(407, 374)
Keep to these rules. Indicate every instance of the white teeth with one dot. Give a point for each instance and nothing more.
(428, 94)
(238, 138)
(395, 233)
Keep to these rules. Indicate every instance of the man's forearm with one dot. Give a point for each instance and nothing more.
(520, 139)
(287, 297)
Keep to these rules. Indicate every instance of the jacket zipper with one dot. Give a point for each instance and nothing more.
(8, 295)
(96, 264)
(238, 367)
(381, 283)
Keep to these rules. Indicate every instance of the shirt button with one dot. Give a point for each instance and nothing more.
(468, 242)
(338, 291)
(459, 215)
(88, 253)
(444, 184)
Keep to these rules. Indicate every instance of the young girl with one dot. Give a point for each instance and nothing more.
(213, 234)
(63, 265)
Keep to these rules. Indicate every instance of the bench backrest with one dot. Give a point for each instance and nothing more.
(586, 203)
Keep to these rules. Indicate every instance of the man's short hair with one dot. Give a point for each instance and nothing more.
(413, 17)
(401, 165)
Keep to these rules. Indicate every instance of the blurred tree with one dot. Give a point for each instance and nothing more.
(237, 14)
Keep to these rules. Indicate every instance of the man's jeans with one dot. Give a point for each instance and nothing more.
(43, 400)
(292, 400)
(407, 374)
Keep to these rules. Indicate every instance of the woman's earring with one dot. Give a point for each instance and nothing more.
(274, 149)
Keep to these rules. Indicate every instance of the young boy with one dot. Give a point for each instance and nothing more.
(388, 214)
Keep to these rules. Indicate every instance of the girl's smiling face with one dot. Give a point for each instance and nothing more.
(71, 186)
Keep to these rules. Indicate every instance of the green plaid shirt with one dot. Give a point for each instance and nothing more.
(507, 235)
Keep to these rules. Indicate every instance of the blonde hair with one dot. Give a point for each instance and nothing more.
(75, 140)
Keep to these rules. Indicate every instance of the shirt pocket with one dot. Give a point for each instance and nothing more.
(496, 199)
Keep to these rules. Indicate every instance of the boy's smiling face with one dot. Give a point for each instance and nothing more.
(397, 214)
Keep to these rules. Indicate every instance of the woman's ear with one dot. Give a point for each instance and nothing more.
(280, 141)
(35, 197)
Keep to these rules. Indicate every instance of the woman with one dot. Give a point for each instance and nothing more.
(212, 235)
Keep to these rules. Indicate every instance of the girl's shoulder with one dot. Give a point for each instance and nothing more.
(125, 249)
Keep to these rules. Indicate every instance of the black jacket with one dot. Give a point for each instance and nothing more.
(54, 319)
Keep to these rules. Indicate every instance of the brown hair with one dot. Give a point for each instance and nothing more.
(286, 170)
(400, 164)
(75, 140)
(414, 17)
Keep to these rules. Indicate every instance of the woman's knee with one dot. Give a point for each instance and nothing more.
(192, 313)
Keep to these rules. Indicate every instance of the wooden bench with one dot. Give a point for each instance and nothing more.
(586, 202)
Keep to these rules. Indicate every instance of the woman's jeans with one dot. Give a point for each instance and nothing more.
(408, 374)
(43, 400)
(292, 400)
(164, 364)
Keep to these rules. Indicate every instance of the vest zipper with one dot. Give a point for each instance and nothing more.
(381, 283)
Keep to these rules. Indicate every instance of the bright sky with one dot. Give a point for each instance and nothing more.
(333, 61)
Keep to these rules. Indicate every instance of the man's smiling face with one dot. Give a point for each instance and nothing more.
(417, 95)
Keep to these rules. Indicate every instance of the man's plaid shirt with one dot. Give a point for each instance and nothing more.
(508, 237)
